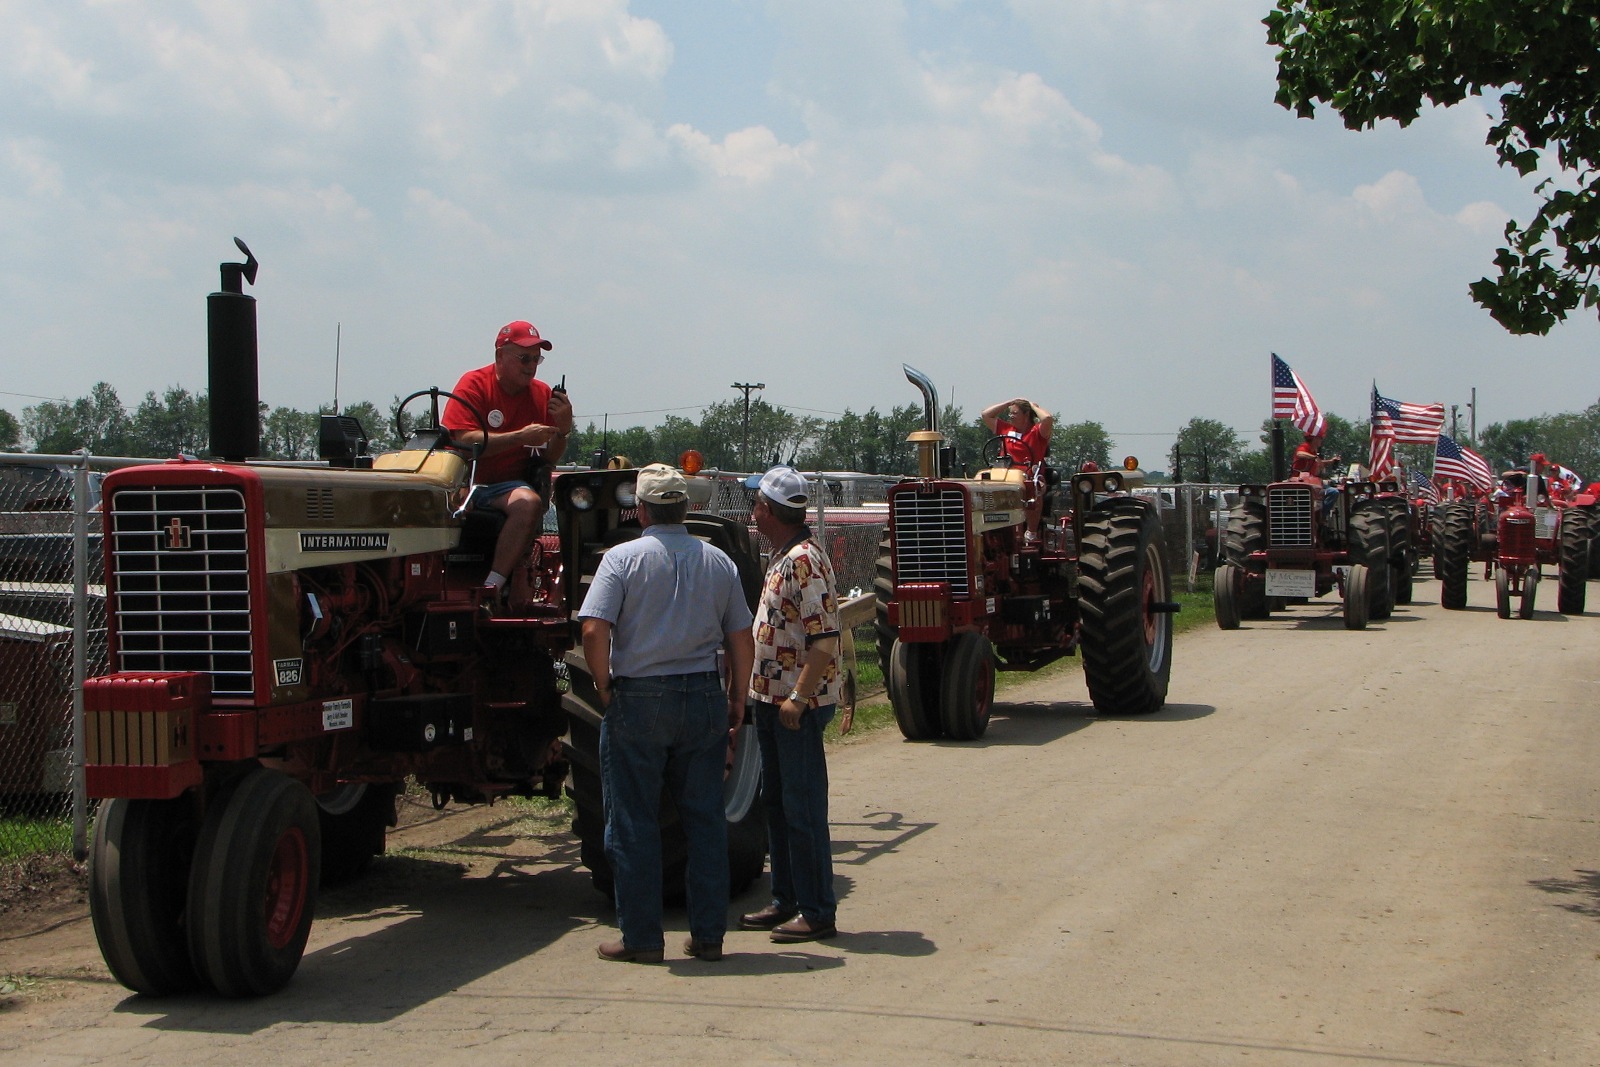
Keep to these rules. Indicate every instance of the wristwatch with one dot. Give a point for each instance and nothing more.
(799, 698)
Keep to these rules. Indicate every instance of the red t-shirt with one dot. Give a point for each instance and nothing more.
(1305, 459)
(504, 412)
(1025, 447)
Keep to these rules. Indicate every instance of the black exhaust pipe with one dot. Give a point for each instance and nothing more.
(235, 394)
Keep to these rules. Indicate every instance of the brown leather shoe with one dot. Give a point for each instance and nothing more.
(766, 918)
(710, 951)
(802, 929)
(617, 952)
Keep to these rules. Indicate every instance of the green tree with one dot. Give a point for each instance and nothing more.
(1509, 444)
(10, 432)
(1382, 59)
(1206, 451)
(164, 426)
(96, 422)
(1076, 442)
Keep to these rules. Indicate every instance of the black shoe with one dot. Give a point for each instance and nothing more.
(767, 917)
(801, 929)
(710, 951)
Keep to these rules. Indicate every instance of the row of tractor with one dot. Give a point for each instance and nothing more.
(1302, 537)
(292, 644)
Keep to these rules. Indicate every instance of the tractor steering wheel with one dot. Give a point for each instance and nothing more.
(434, 424)
(994, 453)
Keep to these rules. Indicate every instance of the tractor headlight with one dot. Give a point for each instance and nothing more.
(1113, 483)
(1086, 485)
(627, 494)
(581, 498)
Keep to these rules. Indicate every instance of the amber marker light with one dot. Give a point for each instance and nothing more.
(1130, 463)
(691, 462)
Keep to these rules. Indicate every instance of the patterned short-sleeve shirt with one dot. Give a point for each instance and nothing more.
(798, 605)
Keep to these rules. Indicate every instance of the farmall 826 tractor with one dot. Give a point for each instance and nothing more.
(290, 643)
(1300, 538)
(964, 588)
(1533, 520)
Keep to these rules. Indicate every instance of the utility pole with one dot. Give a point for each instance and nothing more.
(1454, 431)
(1472, 414)
(747, 387)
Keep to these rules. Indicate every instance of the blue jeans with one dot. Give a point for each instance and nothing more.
(794, 785)
(672, 731)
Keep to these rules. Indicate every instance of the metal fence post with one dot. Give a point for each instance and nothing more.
(1188, 541)
(80, 649)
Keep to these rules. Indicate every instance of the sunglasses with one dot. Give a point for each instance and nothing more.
(526, 358)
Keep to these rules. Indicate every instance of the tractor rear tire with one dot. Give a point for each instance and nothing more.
(253, 884)
(1247, 534)
(743, 807)
(1453, 554)
(913, 680)
(1402, 559)
(1530, 593)
(1225, 596)
(355, 821)
(138, 879)
(1357, 597)
(1502, 593)
(1122, 578)
(883, 591)
(1572, 568)
(1369, 545)
(967, 695)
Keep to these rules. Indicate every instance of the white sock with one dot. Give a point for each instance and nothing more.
(495, 580)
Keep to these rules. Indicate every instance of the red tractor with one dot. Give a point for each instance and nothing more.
(992, 573)
(291, 643)
(1302, 538)
(1533, 520)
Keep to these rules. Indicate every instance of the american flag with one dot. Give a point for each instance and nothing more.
(1382, 455)
(1451, 460)
(1413, 424)
(1292, 400)
(1422, 485)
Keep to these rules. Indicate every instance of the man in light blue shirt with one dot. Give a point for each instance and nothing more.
(655, 615)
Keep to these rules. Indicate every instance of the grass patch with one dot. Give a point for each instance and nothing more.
(21, 837)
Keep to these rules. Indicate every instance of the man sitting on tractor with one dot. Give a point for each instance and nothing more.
(1309, 466)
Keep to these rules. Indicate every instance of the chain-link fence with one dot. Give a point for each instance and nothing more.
(52, 635)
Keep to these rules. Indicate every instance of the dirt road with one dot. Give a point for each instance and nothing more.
(1330, 848)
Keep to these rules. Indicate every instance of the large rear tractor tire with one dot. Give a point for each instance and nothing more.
(1246, 534)
(1572, 570)
(253, 885)
(138, 879)
(355, 820)
(883, 591)
(967, 695)
(1123, 587)
(1225, 596)
(1369, 545)
(741, 801)
(1453, 554)
(1357, 597)
(914, 679)
(1402, 557)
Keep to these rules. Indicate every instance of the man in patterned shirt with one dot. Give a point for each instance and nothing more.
(794, 689)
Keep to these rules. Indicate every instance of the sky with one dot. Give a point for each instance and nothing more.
(1095, 204)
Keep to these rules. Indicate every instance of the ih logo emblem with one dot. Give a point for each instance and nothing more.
(179, 536)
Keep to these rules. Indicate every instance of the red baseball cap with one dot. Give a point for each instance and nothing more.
(522, 334)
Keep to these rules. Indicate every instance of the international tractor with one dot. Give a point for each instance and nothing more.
(991, 573)
(291, 643)
(1293, 540)
(1533, 520)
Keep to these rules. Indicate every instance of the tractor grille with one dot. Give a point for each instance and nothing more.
(930, 537)
(1289, 516)
(181, 583)
(1516, 538)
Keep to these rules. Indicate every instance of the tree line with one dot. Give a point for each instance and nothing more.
(872, 442)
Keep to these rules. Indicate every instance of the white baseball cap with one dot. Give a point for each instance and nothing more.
(784, 485)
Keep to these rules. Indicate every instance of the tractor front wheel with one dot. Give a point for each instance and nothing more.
(138, 875)
(914, 679)
(1530, 593)
(355, 820)
(1225, 596)
(1357, 597)
(1502, 593)
(1123, 589)
(253, 885)
(968, 692)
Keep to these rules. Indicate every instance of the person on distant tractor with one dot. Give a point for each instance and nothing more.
(528, 427)
(1307, 460)
(1026, 428)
